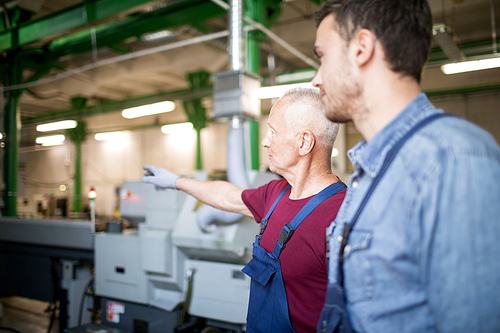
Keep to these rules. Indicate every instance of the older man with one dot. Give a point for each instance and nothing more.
(288, 283)
(415, 245)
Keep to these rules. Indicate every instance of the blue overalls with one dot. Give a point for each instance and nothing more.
(334, 317)
(268, 305)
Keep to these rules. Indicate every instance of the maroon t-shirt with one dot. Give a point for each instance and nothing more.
(303, 261)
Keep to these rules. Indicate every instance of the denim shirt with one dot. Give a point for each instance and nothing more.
(424, 256)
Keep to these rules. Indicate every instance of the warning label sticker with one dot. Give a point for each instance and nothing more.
(113, 311)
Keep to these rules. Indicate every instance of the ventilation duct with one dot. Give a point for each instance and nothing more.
(235, 97)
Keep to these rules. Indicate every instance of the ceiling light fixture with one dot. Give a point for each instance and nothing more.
(298, 76)
(51, 140)
(109, 136)
(147, 110)
(58, 125)
(176, 128)
(446, 42)
(157, 35)
(278, 91)
(471, 65)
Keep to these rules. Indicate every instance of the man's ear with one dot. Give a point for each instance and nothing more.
(364, 47)
(307, 140)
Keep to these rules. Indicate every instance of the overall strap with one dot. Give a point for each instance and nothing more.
(289, 228)
(387, 162)
(263, 223)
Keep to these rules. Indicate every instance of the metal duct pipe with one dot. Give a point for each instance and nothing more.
(236, 154)
(236, 171)
(207, 215)
(274, 37)
(236, 34)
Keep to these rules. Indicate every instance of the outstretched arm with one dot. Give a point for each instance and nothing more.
(219, 194)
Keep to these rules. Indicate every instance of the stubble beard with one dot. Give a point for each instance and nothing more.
(345, 101)
(346, 105)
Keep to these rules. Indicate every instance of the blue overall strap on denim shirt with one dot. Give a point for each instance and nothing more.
(423, 256)
(334, 317)
(268, 305)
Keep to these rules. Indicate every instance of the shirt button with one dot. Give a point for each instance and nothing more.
(347, 248)
(354, 184)
(339, 239)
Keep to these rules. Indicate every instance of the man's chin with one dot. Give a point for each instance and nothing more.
(338, 118)
(273, 169)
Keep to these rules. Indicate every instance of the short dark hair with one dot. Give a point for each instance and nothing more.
(403, 27)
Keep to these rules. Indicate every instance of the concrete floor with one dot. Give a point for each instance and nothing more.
(26, 315)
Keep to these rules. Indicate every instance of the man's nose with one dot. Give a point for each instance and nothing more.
(316, 81)
(265, 142)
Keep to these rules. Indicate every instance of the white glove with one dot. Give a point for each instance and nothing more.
(159, 177)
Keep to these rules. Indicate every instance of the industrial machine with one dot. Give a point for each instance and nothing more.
(150, 279)
(49, 260)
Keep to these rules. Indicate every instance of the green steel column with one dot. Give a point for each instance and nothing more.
(198, 149)
(77, 136)
(195, 111)
(197, 116)
(12, 123)
(254, 10)
(77, 182)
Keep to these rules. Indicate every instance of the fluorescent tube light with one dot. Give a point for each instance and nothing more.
(176, 128)
(108, 136)
(51, 140)
(307, 75)
(147, 110)
(58, 125)
(157, 35)
(472, 65)
(278, 91)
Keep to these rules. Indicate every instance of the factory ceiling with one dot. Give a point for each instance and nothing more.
(81, 58)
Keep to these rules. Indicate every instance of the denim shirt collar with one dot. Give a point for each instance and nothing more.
(369, 156)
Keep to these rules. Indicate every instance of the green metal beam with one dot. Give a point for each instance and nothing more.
(473, 49)
(465, 90)
(114, 106)
(176, 15)
(72, 17)
(317, 2)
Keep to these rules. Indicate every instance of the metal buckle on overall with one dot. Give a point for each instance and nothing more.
(263, 225)
(285, 235)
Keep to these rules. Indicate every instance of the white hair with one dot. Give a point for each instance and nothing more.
(307, 111)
